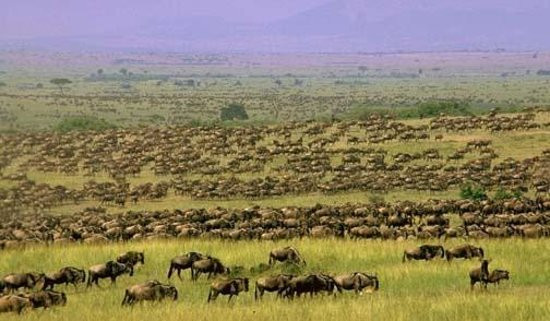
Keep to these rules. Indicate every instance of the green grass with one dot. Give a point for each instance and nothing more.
(409, 291)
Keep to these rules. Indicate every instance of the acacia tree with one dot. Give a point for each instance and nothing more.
(60, 82)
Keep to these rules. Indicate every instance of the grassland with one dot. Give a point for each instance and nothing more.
(154, 96)
(176, 89)
(420, 290)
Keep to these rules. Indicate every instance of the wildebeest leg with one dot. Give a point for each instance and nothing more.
(179, 273)
(472, 283)
(212, 295)
(230, 296)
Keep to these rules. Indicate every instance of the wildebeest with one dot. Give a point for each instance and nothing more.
(14, 303)
(149, 291)
(46, 299)
(356, 281)
(110, 269)
(228, 287)
(271, 284)
(496, 275)
(65, 275)
(480, 274)
(15, 281)
(424, 252)
(285, 254)
(466, 251)
(210, 265)
(131, 257)
(184, 262)
(312, 284)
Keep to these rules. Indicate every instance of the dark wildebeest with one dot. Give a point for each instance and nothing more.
(466, 251)
(149, 291)
(131, 257)
(65, 275)
(110, 270)
(210, 265)
(228, 287)
(424, 252)
(271, 284)
(46, 299)
(480, 274)
(184, 262)
(15, 281)
(356, 281)
(496, 275)
(14, 303)
(285, 254)
(312, 284)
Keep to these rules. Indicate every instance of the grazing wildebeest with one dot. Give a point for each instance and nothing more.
(424, 252)
(15, 281)
(184, 262)
(65, 275)
(110, 269)
(210, 265)
(131, 257)
(466, 251)
(496, 275)
(356, 281)
(14, 303)
(149, 291)
(480, 274)
(284, 254)
(228, 287)
(271, 284)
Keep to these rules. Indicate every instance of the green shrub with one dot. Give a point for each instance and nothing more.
(233, 112)
(81, 123)
(474, 193)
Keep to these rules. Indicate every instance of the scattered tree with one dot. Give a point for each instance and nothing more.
(123, 71)
(60, 82)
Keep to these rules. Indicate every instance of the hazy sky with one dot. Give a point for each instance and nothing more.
(28, 18)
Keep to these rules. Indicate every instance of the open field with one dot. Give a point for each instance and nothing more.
(420, 290)
(130, 90)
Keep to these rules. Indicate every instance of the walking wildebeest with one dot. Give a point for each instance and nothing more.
(356, 281)
(271, 284)
(228, 287)
(65, 275)
(131, 257)
(284, 254)
(149, 291)
(110, 270)
(184, 262)
(466, 251)
(424, 252)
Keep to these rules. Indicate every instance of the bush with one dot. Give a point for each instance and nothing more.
(474, 193)
(232, 112)
(448, 107)
(83, 123)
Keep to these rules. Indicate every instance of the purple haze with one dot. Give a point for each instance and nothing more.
(276, 26)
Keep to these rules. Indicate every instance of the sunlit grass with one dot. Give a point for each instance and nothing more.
(419, 290)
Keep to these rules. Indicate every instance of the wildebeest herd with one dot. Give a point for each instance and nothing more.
(284, 285)
(526, 218)
(290, 159)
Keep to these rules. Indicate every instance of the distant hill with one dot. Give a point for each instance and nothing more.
(340, 26)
